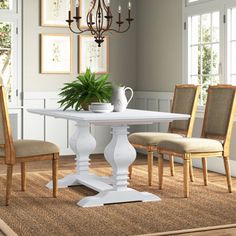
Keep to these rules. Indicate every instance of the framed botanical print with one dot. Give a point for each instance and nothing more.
(56, 54)
(93, 57)
(55, 12)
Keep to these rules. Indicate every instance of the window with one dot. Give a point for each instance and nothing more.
(9, 50)
(231, 30)
(210, 37)
(194, 2)
(204, 51)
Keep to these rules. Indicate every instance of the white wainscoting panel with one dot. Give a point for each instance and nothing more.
(56, 129)
(15, 121)
(152, 101)
(33, 125)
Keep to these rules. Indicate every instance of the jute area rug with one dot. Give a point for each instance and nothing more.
(35, 212)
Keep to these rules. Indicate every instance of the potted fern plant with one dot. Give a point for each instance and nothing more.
(87, 88)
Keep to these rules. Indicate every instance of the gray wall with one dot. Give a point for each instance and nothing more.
(159, 45)
(122, 54)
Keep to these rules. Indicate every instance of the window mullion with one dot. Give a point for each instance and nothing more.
(201, 58)
(222, 45)
(211, 46)
(229, 46)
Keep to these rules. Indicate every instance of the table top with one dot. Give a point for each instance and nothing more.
(129, 116)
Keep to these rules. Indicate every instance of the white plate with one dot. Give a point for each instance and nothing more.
(102, 111)
(101, 107)
(101, 103)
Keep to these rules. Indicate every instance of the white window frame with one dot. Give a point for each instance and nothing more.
(201, 7)
(197, 2)
(229, 4)
(14, 16)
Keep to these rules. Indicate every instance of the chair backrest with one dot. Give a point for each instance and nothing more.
(219, 114)
(6, 141)
(185, 101)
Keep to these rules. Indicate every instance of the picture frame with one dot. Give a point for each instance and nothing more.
(93, 57)
(56, 54)
(54, 13)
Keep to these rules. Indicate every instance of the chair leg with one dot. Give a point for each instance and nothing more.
(160, 170)
(150, 167)
(186, 178)
(55, 175)
(204, 169)
(23, 176)
(9, 183)
(228, 173)
(172, 167)
(130, 171)
(191, 170)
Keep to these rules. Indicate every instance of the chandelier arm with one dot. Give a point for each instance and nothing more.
(93, 6)
(92, 30)
(104, 5)
(78, 27)
(107, 9)
(109, 14)
(110, 23)
(89, 21)
(117, 31)
(73, 31)
(80, 31)
(89, 18)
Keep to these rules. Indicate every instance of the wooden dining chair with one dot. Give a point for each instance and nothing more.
(215, 139)
(22, 151)
(185, 101)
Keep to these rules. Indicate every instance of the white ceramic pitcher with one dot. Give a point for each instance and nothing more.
(119, 99)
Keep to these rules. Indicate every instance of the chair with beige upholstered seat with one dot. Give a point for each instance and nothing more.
(22, 151)
(215, 139)
(185, 101)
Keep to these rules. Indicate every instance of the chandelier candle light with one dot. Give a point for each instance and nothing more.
(101, 23)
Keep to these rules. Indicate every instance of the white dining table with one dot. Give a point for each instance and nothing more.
(119, 153)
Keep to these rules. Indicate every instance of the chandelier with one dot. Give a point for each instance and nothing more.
(99, 20)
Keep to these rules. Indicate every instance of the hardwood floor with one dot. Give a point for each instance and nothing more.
(68, 162)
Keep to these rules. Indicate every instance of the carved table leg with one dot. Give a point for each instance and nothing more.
(83, 144)
(120, 154)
